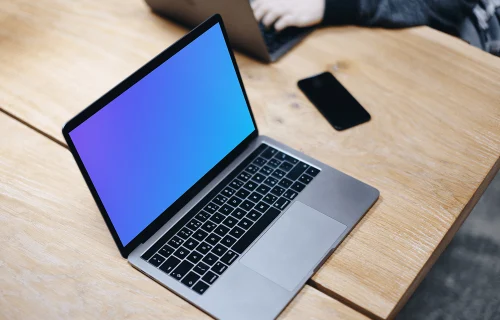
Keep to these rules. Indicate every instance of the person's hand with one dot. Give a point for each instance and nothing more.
(288, 13)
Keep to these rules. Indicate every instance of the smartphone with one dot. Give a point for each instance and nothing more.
(334, 102)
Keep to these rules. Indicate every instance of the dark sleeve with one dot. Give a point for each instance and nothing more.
(444, 15)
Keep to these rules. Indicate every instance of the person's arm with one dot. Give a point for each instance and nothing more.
(445, 15)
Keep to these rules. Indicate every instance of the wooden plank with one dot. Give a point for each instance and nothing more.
(58, 260)
(432, 144)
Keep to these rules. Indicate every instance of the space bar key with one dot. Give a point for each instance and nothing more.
(252, 234)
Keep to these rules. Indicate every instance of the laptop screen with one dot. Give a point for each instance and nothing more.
(152, 143)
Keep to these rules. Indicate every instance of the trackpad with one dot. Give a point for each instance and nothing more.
(294, 245)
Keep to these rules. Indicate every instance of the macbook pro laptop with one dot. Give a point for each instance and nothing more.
(245, 33)
(232, 221)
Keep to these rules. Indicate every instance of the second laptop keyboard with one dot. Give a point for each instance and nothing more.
(211, 236)
(275, 40)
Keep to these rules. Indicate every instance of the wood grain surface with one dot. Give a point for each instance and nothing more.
(431, 147)
(58, 260)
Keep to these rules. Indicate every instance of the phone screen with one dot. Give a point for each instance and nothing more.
(334, 102)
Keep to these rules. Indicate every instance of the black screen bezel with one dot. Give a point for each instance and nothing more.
(125, 85)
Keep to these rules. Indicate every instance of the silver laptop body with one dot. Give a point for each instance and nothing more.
(254, 232)
(243, 30)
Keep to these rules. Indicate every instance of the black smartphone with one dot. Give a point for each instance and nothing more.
(334, 102)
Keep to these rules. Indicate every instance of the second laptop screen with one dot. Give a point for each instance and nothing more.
(157, 139)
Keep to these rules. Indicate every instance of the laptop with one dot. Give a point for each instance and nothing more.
(232, 221)
(245, 33)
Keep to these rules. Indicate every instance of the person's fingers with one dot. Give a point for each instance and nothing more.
(259, 13)
(284, 22)
(256, 4)
(270, 17)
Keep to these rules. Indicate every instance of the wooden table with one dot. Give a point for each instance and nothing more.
(432, 148)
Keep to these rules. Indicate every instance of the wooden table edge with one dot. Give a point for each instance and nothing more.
(446, 239)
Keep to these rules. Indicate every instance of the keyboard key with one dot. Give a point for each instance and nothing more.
(252, 168)
(181, 270)
(260, 148)
(230, 222)
(238, 213)
(297, 186)
(228, 241)
(219, 268)
(219, 250)
(193, 224)
(175, 242)
(247, 205)
(204, 247)
(194, 257)
(269, 198)
(184, 233)
(260, 162)
(200, 287)
(274, 163)
(219, 199)
(263, 189)
(266, 170)
(211, 207)
(254, 215)
(190, 279)
(191, 244)
(156, 246)
(236, 184)
(285, 183)
(312, 171)
(281, 203)
(227, 209)
(221, 230)
(255, 197)
(200, 235)
(181, 253)
(210, 277)
(213, 239)
(284, 157)
(217, 218)
(286, 166)
(242, 193)
(290, 194)
(258, 178)
(305, 179)
(156, 260)
(210, 259)
(170, 264)
(236, 232)
(269, 153)
(278, 173)
(234, 201)
(271, 181)
(208, 226)
(297, 171)
(277, 191)
(252, 234)
(250, 185)
(228, 192)
(166, 251)
(201, 268)
(202, 216)
(229, 257)
(244, 176)
(245, 223)
(262, 207)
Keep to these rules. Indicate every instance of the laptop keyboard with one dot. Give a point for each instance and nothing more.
(211, 236)
(275, 40)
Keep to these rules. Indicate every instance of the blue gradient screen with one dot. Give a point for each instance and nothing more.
(147, 147)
